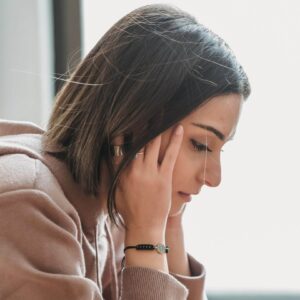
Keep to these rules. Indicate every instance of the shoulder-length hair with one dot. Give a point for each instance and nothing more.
(150, 70)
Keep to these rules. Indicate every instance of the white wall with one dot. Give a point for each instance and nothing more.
(26, 89)
(247, 231)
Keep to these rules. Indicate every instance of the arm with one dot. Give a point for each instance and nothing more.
(148, 270)
(182, 265)
(178, 261)
(40, 256)
(154, 284)
(143, 199)
(148, 259)
(147, 277)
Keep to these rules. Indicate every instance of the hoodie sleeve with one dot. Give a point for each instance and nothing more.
(40, 256)
(196, 282)
(146, 283)
(135, 282)
(156, 284)
(164, 286)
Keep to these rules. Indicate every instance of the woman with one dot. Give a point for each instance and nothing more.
(136, 130)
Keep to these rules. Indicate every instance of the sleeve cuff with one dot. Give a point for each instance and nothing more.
(146, 283)
(195, 282)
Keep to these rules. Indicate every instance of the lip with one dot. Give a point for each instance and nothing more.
(185, 196)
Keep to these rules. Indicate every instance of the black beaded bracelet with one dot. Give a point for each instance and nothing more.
(160, 248)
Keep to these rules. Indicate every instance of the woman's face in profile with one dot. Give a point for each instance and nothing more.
(206, 130)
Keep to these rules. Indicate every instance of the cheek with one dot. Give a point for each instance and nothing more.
(183, 169)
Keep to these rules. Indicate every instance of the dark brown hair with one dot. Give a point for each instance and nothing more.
(150, 70)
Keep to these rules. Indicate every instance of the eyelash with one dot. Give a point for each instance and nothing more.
(200, 147)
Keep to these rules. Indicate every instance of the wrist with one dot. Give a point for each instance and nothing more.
(133, 237)
(145, 258)
(160, 248)
(156, 227)
(174, 224)
(174, 232)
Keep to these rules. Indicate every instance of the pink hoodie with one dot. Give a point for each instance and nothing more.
(56, 245)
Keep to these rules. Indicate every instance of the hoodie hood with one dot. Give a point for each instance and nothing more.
(20, 137)
(26, 138)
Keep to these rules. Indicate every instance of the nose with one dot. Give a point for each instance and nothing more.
(210, 173)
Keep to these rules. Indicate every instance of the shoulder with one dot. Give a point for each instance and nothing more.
(23, 175)
(17, 171)
(20, 171)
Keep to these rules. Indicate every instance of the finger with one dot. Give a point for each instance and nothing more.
(172, 151)
(152, 151)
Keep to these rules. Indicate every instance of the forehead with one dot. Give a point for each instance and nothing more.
(221, 112)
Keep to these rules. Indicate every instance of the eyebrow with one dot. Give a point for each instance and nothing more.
(216, 132)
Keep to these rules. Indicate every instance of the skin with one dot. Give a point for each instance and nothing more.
(191, 169)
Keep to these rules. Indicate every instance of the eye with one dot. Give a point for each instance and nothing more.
(200, 147)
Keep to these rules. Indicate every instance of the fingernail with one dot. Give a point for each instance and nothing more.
(179, 130)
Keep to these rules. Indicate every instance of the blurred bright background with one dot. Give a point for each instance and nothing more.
(247, 231)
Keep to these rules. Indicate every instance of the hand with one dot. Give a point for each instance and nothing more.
(174, 222)
(178, 262)
(144, 192)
